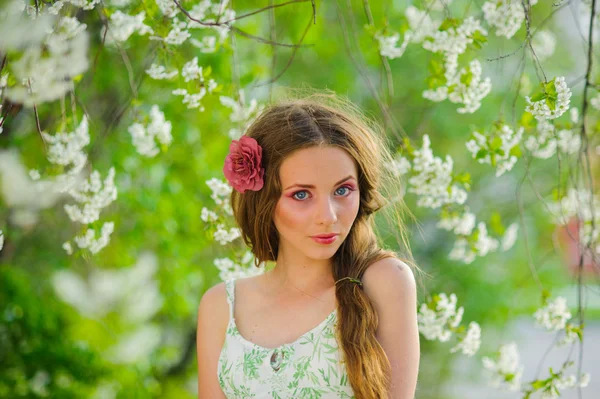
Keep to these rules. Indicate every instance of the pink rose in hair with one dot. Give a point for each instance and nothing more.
(243, 167)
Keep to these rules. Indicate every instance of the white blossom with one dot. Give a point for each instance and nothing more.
(506, 370)
(574, 114)
(145, 137)
(160, 72)
(46, 67)
(1, 240)
(121, 26)
(454, 41)
(68, 248)
(466, 252)
(541, 110)
(471, 93)
(554, 315)
(432, 181)
(575, 203)
(544, 44)
(221, 192)
(230, 269)
(498, 144)
(207, 45)
(243, 113)
(34, 174)
(595, 102)
(224, 236)
(387, 44)
(437, 316)
(459, 224)
(192, 99)
(506, 16)
(470, 344)
(89, 240)
(208, 215)
(168, 8)
(510, 236)
(178, 33)
(66, 149)
(399, 165)
(93, 195)
(191, 70)
(421, 24)
(85, 4)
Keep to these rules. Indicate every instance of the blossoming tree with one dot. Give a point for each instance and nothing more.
(115, 117)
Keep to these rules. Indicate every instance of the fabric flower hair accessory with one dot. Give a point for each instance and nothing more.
(243, 169)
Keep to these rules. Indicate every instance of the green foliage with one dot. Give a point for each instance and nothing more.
(33, 339)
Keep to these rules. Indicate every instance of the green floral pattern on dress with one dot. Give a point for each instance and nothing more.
(311, 366)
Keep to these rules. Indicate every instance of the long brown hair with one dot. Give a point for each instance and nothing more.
(328, 120)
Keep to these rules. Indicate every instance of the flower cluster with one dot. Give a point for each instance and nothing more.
(464, 86)
(132, 294)
(552, 102)
(89, 240)
(159, 72)
(387, 44)
(53, 54)
(460, 224)
(242, 114)
(498, 147)
(505, 368)
(575, 203)
(144, 137)
(471, 342)
(544, 44)
(93, 195)
(554, 315)
(544, 144)
(478, 244)
(421, 24)
(505, 15)
(121, 26)
(433, 179)
(191, 71)
(550, 387)
(66, 149)
(245, 268)
(439, 318)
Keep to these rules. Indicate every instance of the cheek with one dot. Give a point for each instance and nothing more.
(289, 216)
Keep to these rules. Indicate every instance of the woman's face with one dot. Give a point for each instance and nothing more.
(319, 196)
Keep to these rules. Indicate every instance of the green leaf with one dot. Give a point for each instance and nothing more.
(449, 23)
(516, 151)
(538, 97)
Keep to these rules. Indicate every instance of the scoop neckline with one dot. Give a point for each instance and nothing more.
(312, 330)
(248, 342)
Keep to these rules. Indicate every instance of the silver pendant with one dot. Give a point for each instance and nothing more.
(276, 359)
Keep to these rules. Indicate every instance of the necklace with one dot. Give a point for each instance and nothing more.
(276, 359)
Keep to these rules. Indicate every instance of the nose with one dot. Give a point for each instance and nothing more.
(326, 212)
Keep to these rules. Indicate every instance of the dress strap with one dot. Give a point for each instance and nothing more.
(230, 288)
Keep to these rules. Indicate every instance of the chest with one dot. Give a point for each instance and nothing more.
(271, 327)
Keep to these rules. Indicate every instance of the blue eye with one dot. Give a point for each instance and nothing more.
(305, 191)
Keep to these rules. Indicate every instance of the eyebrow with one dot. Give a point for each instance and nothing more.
(311, 186)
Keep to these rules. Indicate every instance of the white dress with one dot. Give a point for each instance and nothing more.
(308, 368)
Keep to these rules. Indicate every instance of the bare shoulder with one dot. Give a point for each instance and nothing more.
(387, 276)
(213, 304)
(213, 317)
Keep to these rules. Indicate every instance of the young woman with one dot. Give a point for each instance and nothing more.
(335, 317)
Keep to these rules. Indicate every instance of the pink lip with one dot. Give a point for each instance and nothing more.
(322, 240)
(325, 235)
